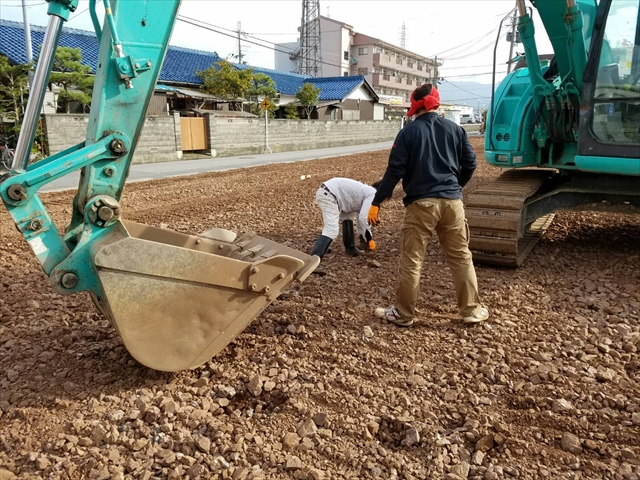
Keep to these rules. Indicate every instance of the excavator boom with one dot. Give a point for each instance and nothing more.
(175, 299)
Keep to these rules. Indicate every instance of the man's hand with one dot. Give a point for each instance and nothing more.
(373, 218)
(371, 245)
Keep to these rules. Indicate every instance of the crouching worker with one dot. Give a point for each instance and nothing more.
(342, 199)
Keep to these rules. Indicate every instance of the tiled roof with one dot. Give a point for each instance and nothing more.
(336, 88)
(12, 42)
(180, 64)
(286, 83)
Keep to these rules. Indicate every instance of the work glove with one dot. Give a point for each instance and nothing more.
(371, 245)
(373, 218)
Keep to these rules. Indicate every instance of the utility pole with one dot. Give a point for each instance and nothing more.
(403, 36)
(435, 80)
(27, 40)
(514, 21)
(239, 31)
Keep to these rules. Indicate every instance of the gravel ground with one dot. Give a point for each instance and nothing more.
(317, 387)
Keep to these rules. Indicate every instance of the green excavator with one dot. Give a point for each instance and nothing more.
(566, 128)
(175, 299)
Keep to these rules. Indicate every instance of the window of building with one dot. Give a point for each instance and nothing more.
(363, 71)
(420, 67)
(346, 55)
(399, 60)
(410, 64)
(409, 81)
(398, 79)
(345, 74)
(363, 51)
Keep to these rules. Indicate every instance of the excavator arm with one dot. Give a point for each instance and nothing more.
(175, 299)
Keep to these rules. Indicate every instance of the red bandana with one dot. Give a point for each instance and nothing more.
(430, 102)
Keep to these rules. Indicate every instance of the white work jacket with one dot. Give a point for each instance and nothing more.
(353, 197)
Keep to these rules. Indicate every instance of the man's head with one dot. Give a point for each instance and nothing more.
(424, 99)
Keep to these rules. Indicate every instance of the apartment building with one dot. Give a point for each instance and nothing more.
(392, 71)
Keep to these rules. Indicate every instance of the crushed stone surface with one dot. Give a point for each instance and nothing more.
(318, 387)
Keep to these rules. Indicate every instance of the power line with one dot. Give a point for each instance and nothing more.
(209, 27)
(206, 27)
(475, 74)
(467, 66)
(83, 11)
(475, 52)
(473, 40)
(460, 88)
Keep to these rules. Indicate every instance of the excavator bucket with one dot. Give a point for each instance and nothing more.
(176, 300)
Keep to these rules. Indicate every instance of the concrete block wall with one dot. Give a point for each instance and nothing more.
(244, 136)
(160, 140)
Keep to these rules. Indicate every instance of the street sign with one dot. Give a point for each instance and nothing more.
(265, 104)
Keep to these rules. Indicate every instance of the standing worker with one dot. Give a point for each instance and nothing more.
(342, 199)
(434, 159)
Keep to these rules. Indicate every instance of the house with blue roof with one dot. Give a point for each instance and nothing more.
(341, 98)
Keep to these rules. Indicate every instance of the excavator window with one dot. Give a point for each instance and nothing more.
(616, 116)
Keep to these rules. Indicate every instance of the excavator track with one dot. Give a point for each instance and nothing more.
(494, 214)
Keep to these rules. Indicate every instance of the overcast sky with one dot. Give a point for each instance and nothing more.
(461, 32)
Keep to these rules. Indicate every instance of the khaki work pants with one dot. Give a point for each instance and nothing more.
(446, 218)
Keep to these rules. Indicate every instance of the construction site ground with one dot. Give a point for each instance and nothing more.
(317, 387)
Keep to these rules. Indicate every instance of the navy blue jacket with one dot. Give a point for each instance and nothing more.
(434, 159)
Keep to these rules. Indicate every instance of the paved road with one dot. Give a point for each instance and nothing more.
(151, 171)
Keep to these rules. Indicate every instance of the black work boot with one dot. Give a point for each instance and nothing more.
(350, 239)
(320, 248)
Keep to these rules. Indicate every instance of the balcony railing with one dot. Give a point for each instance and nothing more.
(412, 67)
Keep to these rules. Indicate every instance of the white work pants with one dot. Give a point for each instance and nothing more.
(331, 215)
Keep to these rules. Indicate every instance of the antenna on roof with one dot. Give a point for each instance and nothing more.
(403, 36)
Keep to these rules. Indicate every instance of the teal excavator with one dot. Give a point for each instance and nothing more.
(566, 128)
(174, 299)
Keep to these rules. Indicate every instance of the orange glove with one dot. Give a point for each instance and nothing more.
(372, 245)
(373, 215)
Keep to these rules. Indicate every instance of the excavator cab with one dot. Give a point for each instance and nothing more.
(175, 299)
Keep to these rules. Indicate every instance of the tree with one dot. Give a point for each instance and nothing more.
(75, 78)
(308, 97)
(262, 87)
(14, 82)
(291, 112)
(223, 80)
